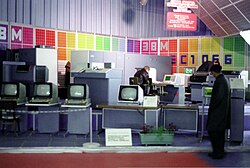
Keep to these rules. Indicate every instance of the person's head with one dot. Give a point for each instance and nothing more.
(215, 70)
(147, 68)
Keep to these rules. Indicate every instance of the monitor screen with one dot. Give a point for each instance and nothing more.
(189, 70)
(77, 91)
(167, 78)
(9, 89)
(129, 94)
(42, 90)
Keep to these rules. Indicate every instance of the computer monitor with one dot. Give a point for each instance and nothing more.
(13, 91)
(130, 94)
(78, 94)
(189, 70)
(169, 79)
(45, 93)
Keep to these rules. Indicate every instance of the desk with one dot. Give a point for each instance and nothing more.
(122, 115)
(47, 117)
(78, 118)
(184, 116)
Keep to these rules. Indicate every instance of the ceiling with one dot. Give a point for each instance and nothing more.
(224, 17)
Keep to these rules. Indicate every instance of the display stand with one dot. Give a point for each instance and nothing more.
(89, 144)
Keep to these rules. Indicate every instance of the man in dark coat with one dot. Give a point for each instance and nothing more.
(143, 76)
(218, 113)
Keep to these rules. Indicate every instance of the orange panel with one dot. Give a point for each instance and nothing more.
(183, 45)
(61, 53)
(61, 39)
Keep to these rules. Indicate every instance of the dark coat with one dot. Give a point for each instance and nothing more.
(219, 107)
(143, 76)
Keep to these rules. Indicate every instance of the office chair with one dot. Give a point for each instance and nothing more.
(8, 115)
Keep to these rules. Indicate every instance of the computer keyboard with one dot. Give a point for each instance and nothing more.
(76, 102)
(39, 101)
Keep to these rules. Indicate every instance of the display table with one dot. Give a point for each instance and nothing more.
(78, 118)
(134, 116)
(184, 116)
(46, 116)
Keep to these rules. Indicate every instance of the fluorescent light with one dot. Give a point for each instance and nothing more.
(246, 36)
(143, 2)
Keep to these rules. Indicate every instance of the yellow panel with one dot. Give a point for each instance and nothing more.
(205, 44)
(90, 41)
(81, 41)
(71, 40)
(193, 59)
(68, 54)
(193, 45)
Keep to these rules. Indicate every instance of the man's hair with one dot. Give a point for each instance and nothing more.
(216, 68)
(147, 68)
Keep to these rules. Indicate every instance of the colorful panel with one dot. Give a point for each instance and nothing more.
(174, 58)
(227, 60)
(193, 59)
(40, 36)
(50, 38)
(28, 46)
(205, 56)
(61, 39)
(121, 45)
(90, 41)
(71, 40)
(183, 45)
(239, 44)
(16, 46)
(153, 47)
(68, 54)
(164, 46)
(130, 45)
(193, 45)
(99, 43)
(62, 54)
(137, 47)
(183, 59)
(173, 45)
(145, 46)
(3, 46)
(81, 41)
(239, 59)
(16, 34)
(106, 43)
(114, 44)
(205, 44)
(27, 35)
(215, 44)
(228, 44)
(4, 33)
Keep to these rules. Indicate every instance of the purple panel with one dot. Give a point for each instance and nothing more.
(3, 45)
(137, 46)
(130, 45)
(16, 46)
(3, 33)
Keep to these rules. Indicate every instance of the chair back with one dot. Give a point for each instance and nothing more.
(134, 81)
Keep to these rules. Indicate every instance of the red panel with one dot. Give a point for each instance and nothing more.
(50, 37)
(27, 35)
(40, 37)
(173, 45)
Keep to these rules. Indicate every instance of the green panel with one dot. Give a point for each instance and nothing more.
(239, 59)
(215, 44)
(239, 44)
(90, 41)
(228, 44)
(107, 43)
(225, 63)
(99, 43)
(114, 44)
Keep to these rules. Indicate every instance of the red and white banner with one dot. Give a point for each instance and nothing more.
(181, 21)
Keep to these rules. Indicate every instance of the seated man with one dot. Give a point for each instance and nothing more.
(143, 77)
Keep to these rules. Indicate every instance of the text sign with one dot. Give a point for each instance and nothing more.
(118, 137)
(182, 5)
(3, 33)
(180, 21)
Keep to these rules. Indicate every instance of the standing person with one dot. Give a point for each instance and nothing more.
(218, 113)
(143, 76)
